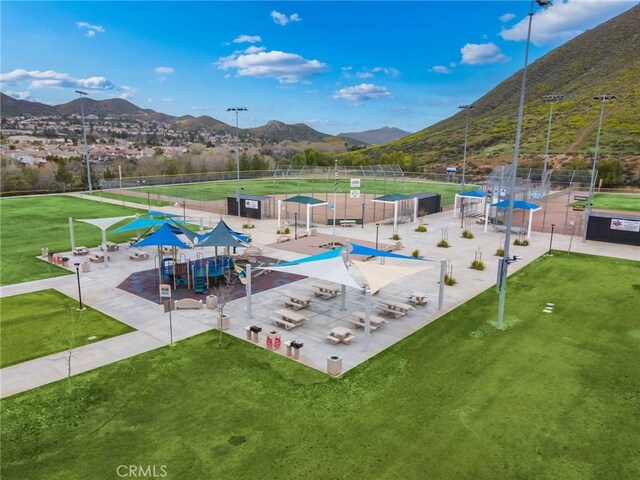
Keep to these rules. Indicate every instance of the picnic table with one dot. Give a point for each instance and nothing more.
(417, 298)
(340, 335)
(288, 318)
(375, 321)
(325, 291)
(111, 247)
(397, 309)
(297, 302)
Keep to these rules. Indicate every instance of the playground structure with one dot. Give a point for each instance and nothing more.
(198, 274)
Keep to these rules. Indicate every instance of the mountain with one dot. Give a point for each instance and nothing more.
(205, 122)
(603, 60)
(377, 136)
(11, 107)
(275, 131)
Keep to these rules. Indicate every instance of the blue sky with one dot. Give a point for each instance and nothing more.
(336, 66)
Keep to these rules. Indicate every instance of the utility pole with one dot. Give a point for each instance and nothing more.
(237, 109)
(84, 135)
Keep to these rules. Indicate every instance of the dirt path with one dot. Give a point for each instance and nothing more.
(586, 130)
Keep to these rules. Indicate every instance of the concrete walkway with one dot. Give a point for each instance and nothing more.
(152, 325)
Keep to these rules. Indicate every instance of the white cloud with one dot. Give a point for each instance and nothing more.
(163, 70)
(564, 20)
(440, 69)
(283, 66)
(167, 99)
(253, 49)
(91, 29)
(507, 17)
(482, 54)
(247, 39)
(364, 75)
(392, 72)
(282, 19)
(453, 64)
(20, 95)
(150, 100)
(51, 79)
(362, 92)
(200, 108)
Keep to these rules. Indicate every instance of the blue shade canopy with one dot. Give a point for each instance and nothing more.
(156, 213)
(474, 194)
(367, 251)
(140, 224)
(221, 236)
(180, 229)
(517, 205)
(162, 237)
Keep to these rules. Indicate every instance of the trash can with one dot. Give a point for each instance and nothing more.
(65, 261)
(334, 365)
(273, 340)
(212, 301)
(44, 252)
(86, 267)
(223, 322)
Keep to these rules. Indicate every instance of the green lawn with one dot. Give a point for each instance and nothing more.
(37, 324)
(552, 397)
(615, 201)
(221, 189)
(31, 223)
(152, 202)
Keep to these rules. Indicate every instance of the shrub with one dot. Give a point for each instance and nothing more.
(500, 252)
(287, 231)
(467, 234)
(248, 225)
(395, 236)
(443, 244)
(415, 254)
(449, 280)
(421, 228)
(278, 232)
(521, 243)
(478, 265)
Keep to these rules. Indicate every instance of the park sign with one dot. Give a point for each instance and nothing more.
(355, 183)
(355, 193)
(625, 225)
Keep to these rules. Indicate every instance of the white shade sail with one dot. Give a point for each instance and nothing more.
(378, 276)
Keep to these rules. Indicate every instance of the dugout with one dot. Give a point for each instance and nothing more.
(614, 228)
(429, 202)
(251, 206)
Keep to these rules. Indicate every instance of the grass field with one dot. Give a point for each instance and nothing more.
(31, 223)
(37, 324)
(554, 396)
(219, 190)
(613, 201)
(129, 198)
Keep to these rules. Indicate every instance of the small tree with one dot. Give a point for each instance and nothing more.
(477, 263)
(67, 339)
(448, 277)
(444, 243)
(223, 290)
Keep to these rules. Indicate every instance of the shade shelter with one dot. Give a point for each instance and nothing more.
(222, 236)
(517, 205)
(163, 237)
(474, 197)
(310, 202)
(394, 198)
(103, 224)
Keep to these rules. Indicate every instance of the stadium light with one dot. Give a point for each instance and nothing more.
(592, 185)
(550, 99)
(464, 157)
(502, 281)
(237, 110)
(84, 135)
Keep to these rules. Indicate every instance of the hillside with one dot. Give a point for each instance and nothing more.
(377, 136)
(603, 60)
(275, 131)
(11, 107)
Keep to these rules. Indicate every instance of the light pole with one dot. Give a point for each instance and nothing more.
(464, 157)
(81, 307)
(550, 99)
(295, 226)
(592, 185)
(377, 227)
(551, 239)
(84, 135)
(506, 260)
(237, 110)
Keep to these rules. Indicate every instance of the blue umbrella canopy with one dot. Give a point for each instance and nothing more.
(221, 236)
(517, 205)
(164, 236)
